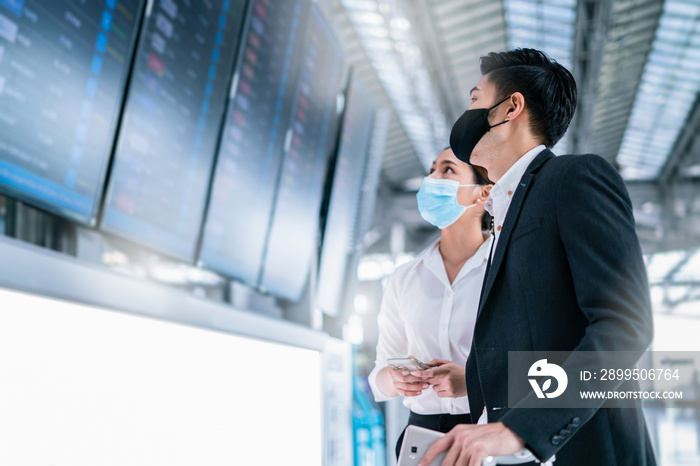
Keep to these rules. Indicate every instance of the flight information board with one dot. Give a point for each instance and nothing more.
(63, 66)
(340, 234)
(314, 125)
(173, 114)
(253, 138)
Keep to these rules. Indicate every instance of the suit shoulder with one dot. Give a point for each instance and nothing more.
(582, 165)
(580, 178)
(580, 160)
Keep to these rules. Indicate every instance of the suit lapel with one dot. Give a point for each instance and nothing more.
(509, 223)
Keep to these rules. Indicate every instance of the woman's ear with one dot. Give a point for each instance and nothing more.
(485, 192)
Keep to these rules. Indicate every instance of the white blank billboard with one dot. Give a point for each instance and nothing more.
(84, 386)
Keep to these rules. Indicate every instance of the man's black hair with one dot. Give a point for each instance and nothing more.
(549, 88)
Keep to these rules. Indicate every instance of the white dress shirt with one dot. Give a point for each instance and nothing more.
(497, 205)
(502, 192)
(424, 316)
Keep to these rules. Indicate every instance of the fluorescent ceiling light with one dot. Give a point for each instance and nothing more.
(669, 84)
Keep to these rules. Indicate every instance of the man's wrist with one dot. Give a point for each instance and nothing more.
(515, 435)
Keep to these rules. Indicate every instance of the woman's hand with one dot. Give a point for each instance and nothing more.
(406, 384)
(446, 377)
(394, 382)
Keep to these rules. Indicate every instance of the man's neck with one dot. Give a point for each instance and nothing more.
(508, 157)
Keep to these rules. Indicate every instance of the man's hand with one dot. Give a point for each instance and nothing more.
(469, 444)
(446, 377)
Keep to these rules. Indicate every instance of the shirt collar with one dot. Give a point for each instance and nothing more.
(483, 252)
(432, 259)
(509, 181)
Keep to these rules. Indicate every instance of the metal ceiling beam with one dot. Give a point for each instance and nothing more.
(668, 279)
(631, 27)
(689, 283)
(684, 145)
(435, 60)
(474, 48)
(592, 19)
(471, 16)
(672, 195)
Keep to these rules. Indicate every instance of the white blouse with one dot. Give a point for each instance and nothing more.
(424, 316)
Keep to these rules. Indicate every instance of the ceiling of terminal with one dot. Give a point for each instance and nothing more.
(637, 64)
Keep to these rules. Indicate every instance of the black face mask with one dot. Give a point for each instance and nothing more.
(469, 129)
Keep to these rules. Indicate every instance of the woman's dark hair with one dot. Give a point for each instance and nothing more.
(482, 180)
(549, 88)
(481, 175)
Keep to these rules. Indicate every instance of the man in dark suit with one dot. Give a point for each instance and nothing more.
(566, 274)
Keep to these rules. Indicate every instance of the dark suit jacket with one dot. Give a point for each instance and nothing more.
(567, 274)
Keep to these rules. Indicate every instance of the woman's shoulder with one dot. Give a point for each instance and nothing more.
(402, 271)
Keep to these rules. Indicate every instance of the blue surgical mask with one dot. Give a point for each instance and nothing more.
(437, 201)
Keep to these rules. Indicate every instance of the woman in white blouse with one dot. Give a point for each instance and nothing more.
(430, 304)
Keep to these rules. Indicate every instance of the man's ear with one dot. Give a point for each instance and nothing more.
(515, 106)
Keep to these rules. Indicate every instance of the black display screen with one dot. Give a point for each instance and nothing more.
(250, 153)
(314, 125)
(63, 66)
(340, 234)
(174, 110)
